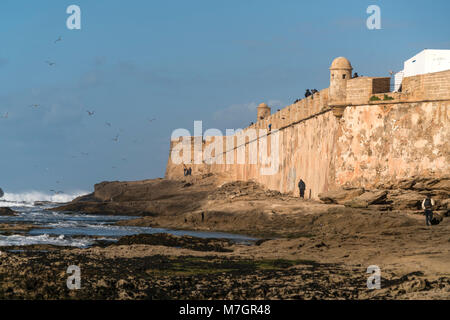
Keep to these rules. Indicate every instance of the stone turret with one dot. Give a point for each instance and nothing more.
(263, 111)
(340, 72)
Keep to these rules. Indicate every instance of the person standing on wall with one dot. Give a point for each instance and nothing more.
(301, 188)
(427, 205)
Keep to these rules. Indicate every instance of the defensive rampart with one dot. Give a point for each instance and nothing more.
(374, 136)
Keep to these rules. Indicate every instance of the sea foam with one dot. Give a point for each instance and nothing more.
(61, 240)
(26, 199)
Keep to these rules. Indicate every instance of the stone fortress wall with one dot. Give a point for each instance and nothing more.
(355, 133)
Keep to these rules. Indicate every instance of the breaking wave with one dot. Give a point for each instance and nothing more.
(61, 240)
(27, 199)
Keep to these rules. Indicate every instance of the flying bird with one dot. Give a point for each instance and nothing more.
(50, 63)
(59, 39)
(151, 120)
(108, 124)
(35, 105)
(90, 113)
(116, 138)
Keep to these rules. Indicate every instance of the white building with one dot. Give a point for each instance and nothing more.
(426, 61)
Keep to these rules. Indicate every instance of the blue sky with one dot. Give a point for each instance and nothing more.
(176, 62)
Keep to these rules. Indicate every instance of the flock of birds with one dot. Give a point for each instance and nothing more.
(90, 113)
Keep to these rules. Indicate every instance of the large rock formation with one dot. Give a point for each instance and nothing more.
(368, 198)
(340, 196)
(7, 212)
(144, 198)
(406, 194)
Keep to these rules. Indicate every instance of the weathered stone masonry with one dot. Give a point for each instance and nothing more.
(342, 136)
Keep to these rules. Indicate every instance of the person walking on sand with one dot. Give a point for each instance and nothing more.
(427, 205)
(301, 188)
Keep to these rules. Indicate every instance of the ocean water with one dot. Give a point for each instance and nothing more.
(75, 229)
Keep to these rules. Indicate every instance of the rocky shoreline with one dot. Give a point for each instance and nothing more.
(163, 271)
(206, 203)
(405, 195)
(306, 249)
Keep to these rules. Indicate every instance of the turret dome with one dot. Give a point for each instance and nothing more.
(341, 63)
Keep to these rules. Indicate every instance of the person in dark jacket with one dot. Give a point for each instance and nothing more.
(427, 205)
(301, 188)
(1, 193)
(307, 93)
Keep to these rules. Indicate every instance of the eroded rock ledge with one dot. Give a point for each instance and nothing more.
(406, 195)
(203, 202)
(7, 212)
